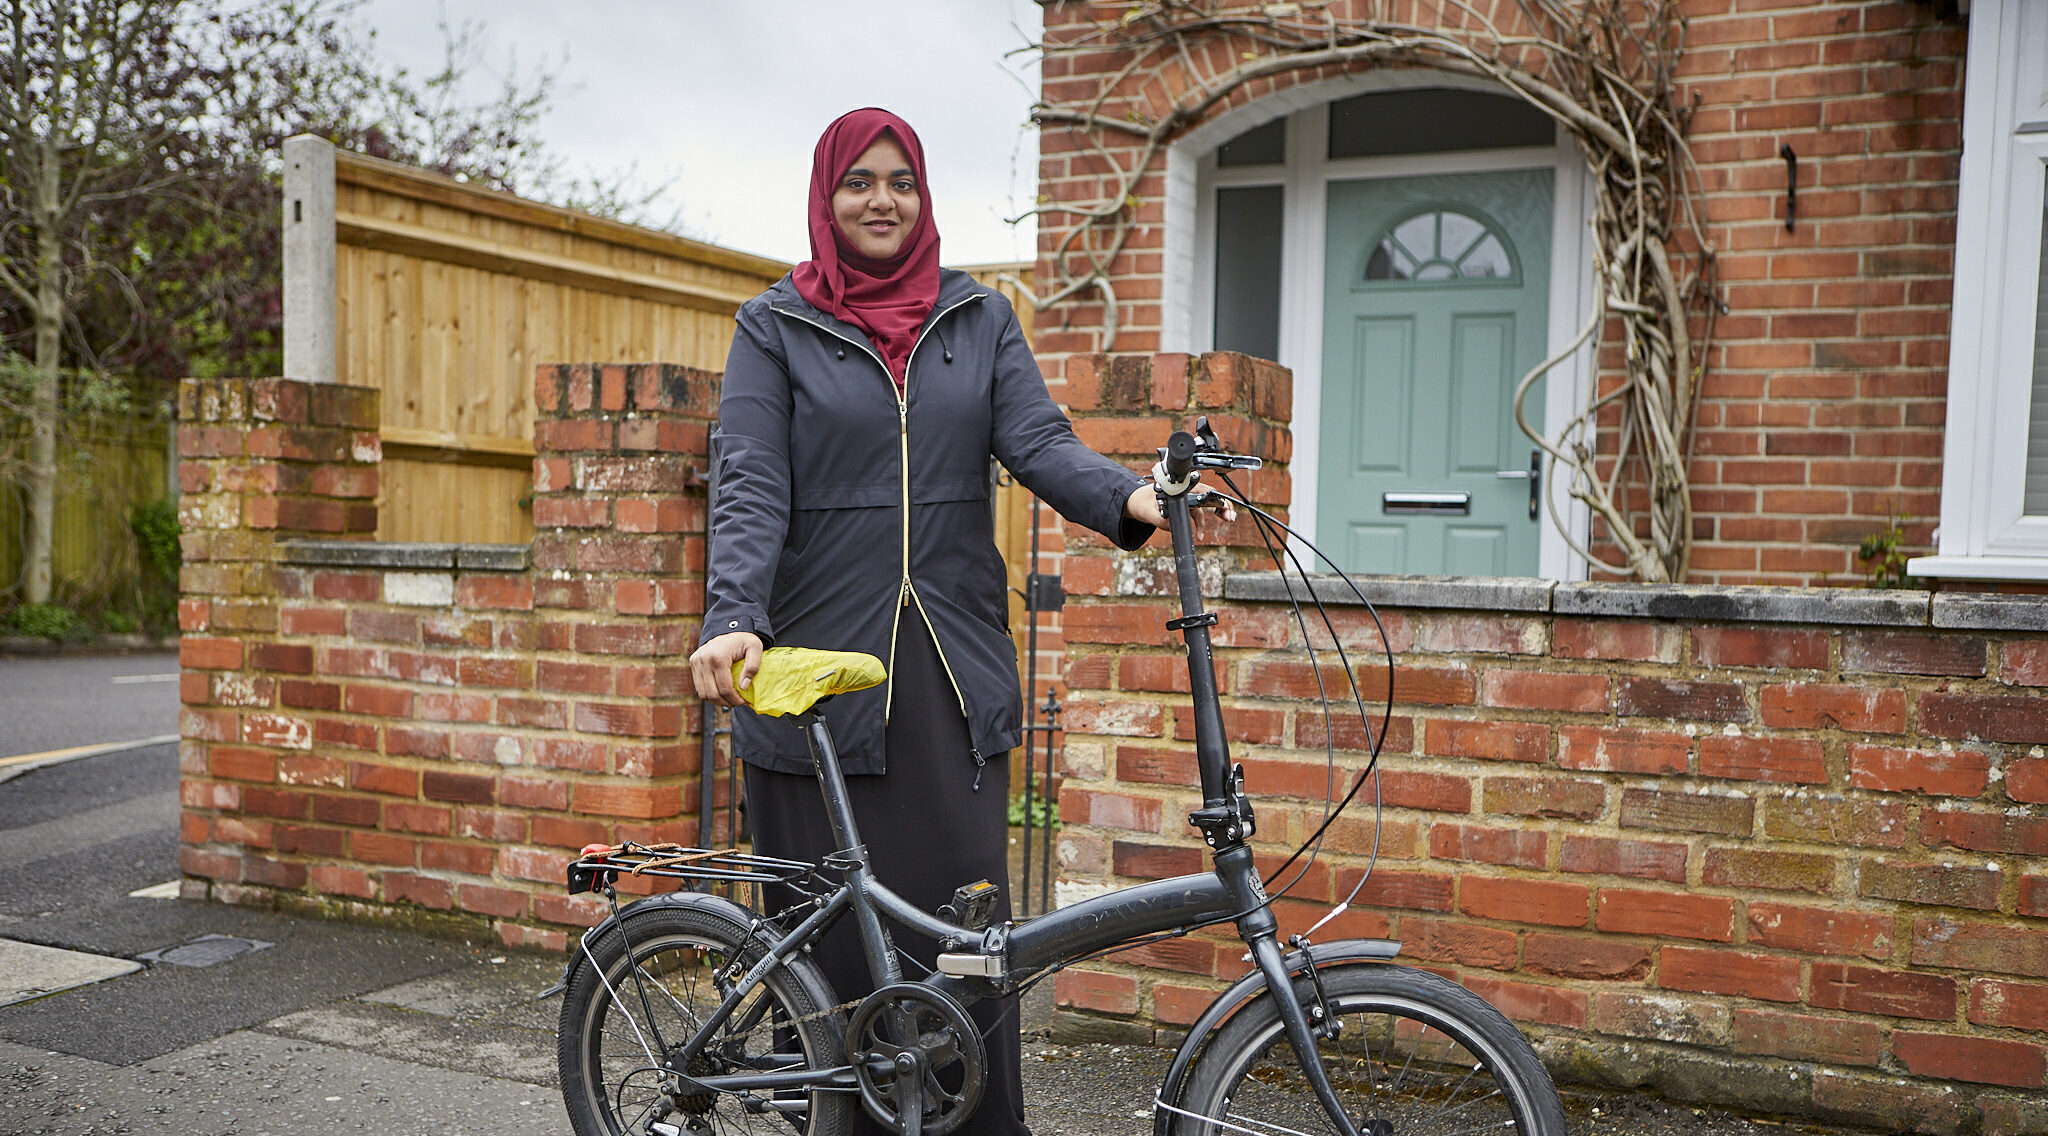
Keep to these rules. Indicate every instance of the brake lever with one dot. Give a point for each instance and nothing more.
(1209, 453)
(1213, 499)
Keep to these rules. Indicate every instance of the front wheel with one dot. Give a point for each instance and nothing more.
(625, 1022)
(1414, 1055)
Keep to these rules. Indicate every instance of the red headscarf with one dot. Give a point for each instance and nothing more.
(888, 299)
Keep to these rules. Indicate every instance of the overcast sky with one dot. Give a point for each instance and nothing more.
(722, 102)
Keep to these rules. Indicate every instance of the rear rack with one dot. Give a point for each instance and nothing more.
(676, 862)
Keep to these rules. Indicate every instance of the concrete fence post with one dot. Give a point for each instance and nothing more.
(309, 337)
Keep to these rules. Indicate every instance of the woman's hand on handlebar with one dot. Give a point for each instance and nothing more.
(711, 666)
(1143, 505)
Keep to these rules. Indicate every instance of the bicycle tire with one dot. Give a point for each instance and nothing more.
(1416, 1054)
(609, 1086)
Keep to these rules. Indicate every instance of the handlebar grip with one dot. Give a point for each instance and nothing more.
(1180, 455)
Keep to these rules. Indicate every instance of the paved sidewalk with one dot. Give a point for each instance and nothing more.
(333, 1028)
(339, 1028)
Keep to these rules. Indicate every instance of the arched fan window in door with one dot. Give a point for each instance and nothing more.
(1441, 246)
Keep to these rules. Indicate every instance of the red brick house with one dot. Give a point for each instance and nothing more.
(1713, 838)
(1736, 839)
(1832, 401)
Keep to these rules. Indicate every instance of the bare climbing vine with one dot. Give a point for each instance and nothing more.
(1604, 69)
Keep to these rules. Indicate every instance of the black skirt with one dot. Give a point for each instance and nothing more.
(928, 830)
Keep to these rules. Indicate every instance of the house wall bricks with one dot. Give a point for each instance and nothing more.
(1807, 854)
(410, 742)
(1821, 412)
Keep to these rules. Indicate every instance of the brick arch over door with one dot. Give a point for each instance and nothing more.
(1187, 269)
(1820, 417)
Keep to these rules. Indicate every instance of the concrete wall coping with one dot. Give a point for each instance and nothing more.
(1685, 602)
(407, 554)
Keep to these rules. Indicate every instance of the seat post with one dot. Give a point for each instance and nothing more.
(874, 938)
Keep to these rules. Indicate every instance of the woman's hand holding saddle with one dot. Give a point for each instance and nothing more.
(711, 666)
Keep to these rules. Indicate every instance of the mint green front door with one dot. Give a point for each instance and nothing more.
(1435, 304)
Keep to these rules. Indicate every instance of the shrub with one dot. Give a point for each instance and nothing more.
(156, 532)
(156, 535)
(47, 621)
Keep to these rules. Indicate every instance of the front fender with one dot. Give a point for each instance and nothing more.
(1243, 991)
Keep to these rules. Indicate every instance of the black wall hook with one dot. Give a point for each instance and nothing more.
(1791, 184)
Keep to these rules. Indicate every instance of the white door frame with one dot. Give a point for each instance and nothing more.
(1187, 316)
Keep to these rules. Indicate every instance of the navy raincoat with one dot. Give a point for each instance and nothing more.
(844, 509)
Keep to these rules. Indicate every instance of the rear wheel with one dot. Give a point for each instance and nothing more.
(1414, 1055)
(622, 1038)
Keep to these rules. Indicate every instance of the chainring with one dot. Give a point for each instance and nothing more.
(921, 1032)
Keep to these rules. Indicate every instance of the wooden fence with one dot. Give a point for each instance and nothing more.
(445, 297)
(101, 478)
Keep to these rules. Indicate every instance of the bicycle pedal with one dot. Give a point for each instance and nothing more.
(972, 905)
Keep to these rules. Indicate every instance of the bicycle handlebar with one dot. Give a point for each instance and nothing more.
(1179, 456)
(1185, 453)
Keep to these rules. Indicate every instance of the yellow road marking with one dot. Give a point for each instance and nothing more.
(86, 750)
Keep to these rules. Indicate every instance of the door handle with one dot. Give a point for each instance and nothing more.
(1533, 475)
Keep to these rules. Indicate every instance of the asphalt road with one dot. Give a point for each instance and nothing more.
(330, 1027)
(334, 1027)
(56, 702)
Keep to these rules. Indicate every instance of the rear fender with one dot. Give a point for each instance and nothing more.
(743, 919)
(1243, 991)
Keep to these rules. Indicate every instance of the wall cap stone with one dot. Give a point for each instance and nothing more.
(1473, 593)
(1991, 612)
(406, 554)
(1743, 603)
(1748, 603)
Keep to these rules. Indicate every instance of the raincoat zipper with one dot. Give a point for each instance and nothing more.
(907, 592)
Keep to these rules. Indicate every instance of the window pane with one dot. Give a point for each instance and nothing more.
(1260, 146)
(1440, 245)
(1388, 262)
(1487, 261)
(1248, 270)
(2036, 503)
(1419, 122)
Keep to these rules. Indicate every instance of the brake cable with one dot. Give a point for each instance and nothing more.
(1266, 522)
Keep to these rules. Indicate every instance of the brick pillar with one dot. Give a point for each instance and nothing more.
(618, 557)
(1127, 767)
(426, 733)
(261, 461)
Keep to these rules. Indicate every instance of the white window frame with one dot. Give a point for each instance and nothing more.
(1187, 318)
(1985, 533)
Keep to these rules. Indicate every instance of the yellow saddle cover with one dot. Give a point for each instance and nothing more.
(792, 679)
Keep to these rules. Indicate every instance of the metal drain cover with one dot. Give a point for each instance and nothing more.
(206, 950)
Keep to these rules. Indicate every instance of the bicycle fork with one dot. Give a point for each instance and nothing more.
(1225, 819)
(1260, 932)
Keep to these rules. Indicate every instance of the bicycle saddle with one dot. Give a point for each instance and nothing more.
(793, 679)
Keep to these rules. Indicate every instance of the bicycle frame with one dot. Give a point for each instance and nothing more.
(977, 964)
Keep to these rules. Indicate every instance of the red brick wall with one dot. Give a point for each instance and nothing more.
(1780, 848)
(437, 738)
(1821, 414)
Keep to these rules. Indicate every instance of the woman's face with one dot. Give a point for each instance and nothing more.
(876, 204)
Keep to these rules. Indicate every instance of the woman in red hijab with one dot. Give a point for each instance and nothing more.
(863, 399)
